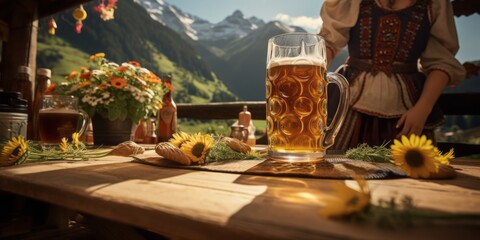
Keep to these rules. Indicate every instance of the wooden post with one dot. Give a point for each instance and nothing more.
(21, 45)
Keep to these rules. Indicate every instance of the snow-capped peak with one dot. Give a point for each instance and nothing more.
(232, 27)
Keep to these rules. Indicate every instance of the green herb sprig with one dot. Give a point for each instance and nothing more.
(368, 153)
(221, 152)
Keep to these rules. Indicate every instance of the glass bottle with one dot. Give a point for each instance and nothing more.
(42, 82)
(23, 84)
(244, 118)
(140, 130)
(167, 115)
(150, 136)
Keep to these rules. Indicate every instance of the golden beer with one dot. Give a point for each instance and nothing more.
(296, 101)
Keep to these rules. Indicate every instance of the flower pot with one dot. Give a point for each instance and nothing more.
(110, 133)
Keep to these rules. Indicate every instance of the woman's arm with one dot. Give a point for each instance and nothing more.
(413, 121)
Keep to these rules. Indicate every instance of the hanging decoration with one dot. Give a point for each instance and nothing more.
(52, 26)
(106, 11)
(79, 14)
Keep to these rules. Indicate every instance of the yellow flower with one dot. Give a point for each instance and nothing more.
(196, 148)
(75, 140)
(444, 158)
(345, 200)
(179, 138)
(64, 145)
(13, 151)
(415, 155)
(96, 56)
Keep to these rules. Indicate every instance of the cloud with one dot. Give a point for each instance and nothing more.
(309, 23)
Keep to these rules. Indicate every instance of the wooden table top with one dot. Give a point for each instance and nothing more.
(193, 204)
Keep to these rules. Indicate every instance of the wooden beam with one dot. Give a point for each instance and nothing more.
(21, 47)
(49, 7)
(222, 110)
(451, 104)
(3, 31)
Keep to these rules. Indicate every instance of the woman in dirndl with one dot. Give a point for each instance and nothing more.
(401, 57)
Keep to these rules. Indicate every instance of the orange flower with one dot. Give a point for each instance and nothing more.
(122, 69)
(84, 69)
(118, 82)
(73, 74)
(134, 63)
(153, 78)
(95, 56)
(102, 86)
(83, 84)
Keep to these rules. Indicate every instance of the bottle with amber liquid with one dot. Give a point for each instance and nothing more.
(167, 115)
(42, 82)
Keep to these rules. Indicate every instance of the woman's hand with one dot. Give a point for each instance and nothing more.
(413, 121)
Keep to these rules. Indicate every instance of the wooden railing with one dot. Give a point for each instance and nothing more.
(451, 104)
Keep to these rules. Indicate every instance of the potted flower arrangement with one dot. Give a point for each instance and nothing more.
(121, 94)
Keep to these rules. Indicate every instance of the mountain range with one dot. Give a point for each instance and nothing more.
(234, 48)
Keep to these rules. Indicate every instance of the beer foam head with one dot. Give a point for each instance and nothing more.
(300, 60)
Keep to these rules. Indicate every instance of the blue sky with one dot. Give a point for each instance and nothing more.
(305, 13)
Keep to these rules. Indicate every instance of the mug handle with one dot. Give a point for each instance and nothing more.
(332, 130)
(84, 122)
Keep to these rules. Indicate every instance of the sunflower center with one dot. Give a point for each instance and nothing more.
(15, 151)
(197, 149)
(414, 158)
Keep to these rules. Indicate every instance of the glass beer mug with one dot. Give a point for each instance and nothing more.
(59, 117)
(296, 98)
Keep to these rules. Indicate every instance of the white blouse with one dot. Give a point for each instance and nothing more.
(339, 16)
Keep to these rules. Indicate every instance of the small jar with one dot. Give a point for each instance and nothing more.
(238, 132)
(13, 115)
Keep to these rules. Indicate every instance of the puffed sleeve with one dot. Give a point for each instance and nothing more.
(338, 17)
(443, 44)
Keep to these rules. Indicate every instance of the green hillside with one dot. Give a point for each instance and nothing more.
(131, 36)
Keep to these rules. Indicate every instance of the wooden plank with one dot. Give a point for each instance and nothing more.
(205, 205)
(451, 104)
(223, 110)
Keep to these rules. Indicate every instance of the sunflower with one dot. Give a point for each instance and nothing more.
(14, 151)
(196, 148)
(345, 200)
(75, 140)
(444, 158)
(415, 155)
(63, 145)
(179, 138)
(118, 82)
